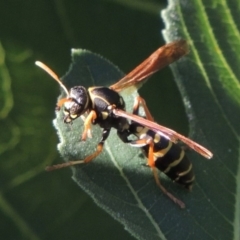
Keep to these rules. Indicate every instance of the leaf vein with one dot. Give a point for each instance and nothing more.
(134, 193)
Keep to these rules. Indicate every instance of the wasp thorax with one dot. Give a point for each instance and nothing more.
(77, 104)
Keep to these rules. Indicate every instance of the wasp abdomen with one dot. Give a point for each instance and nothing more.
(171, 159)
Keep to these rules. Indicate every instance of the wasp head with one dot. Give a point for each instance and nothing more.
(76, 104)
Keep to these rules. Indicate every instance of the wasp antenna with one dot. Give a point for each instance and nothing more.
(52, 74)
(63, 165)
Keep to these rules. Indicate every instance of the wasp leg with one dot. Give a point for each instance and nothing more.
(105, 135)
(164, 190)
(140, 101)
(139, 143)
(87, 125)
(89, 158)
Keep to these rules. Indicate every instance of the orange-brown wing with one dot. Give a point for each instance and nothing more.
(157, 60)
(173, 136)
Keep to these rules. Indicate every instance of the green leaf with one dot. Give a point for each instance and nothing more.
(209, 82)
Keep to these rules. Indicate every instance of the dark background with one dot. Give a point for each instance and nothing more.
(39, 205)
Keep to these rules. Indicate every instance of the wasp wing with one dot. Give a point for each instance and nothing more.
(172, 135)
(156, 61)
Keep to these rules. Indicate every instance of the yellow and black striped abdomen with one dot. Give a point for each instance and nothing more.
(171, 160)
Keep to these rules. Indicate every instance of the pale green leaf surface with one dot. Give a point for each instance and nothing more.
(117, 179)
(112, 179)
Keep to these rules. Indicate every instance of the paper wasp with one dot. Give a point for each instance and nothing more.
(159, 146)
(105, 107)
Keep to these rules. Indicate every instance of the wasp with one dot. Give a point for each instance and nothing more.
(159, 145)
(104, 106)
